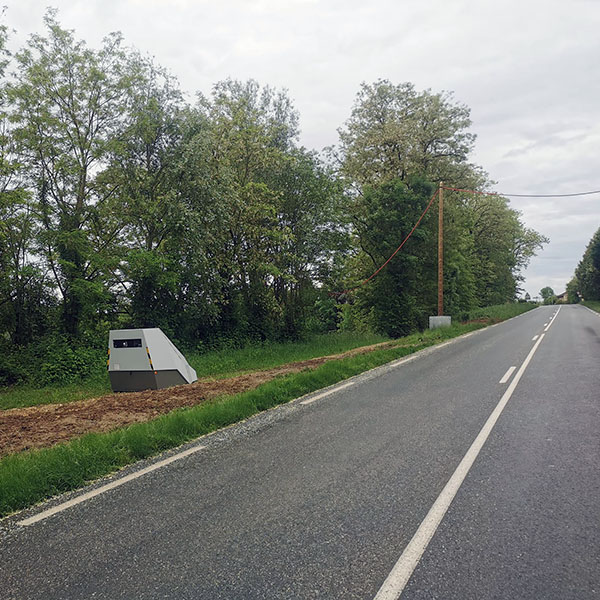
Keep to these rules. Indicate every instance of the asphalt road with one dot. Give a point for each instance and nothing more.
(320, 500)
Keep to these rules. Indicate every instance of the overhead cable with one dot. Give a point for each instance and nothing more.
(453, 189)
(523, 195)
(395, 251)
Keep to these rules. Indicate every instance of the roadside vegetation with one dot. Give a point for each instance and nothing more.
(210, 363)
(223, 362)
(211, 221)
(31, 476)
(230, 361)
(26, 395)
(593, 304)
(499, 312)
(585, 284)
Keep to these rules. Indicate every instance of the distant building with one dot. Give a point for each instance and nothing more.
(561, 298)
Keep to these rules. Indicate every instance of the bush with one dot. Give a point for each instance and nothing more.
(53, 359)
(497, 312)
(66, 364)
(11, 372)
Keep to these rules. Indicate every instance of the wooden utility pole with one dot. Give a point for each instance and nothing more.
(441, 250)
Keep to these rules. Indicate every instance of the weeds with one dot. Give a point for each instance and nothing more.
(500, 312)
(593, 304)
(219, 363)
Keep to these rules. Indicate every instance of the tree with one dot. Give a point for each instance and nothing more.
(395, 132)
(399, 299)
(503, 247)
(245, 149)
(548, 295)
(25, 294)
(588, 270)
(68, 104)
(144, 154)
(310, 210)
(26, 298)
(573, 291)
(398, 134)
(143, 174)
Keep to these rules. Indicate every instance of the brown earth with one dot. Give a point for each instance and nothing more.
(49, 424)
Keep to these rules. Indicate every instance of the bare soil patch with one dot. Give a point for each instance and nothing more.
(50, 424)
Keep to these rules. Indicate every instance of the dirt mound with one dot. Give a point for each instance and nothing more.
(46, 425)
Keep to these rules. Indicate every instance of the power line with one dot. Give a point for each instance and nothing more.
(524, 195)
(395, 251)
(453, 189)
(551, 195)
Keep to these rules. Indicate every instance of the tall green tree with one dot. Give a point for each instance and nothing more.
(502, 247)
(573, 291)
(25, 296)
(395, 132)
(310, 210)
(143, 171)
(68, 102)
(268, 210)
(401, 296)
(588, 270)
(250, 131)
(144, 154)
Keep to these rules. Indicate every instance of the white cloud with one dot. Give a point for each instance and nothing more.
(528, 71)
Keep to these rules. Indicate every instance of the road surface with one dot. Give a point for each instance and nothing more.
(491, 471)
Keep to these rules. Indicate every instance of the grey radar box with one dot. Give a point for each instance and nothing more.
(145, 359)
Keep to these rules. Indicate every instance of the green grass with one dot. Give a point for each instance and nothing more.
(223, 363)
(220, 363)
(593, 304)
(228, 362)
(500, 312)
(20, 396)
(31, 476)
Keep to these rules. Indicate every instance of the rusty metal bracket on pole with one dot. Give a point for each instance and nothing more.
(441, 250)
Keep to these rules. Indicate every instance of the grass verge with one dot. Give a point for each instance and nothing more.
(25, 395)
(228, 362)
(593, 304)
(500, 312)
(32, 476)
(218, 363)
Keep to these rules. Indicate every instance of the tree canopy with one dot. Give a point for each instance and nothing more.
(122, 204)
(394, 137)
(586, 283)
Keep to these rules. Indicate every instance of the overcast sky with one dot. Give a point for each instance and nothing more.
(528, 70)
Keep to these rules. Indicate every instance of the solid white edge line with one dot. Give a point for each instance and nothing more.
(65, 505)
(109, 486)
(507, 375)
(327, 393)
(396, 581)
(592, 311)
